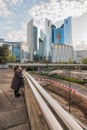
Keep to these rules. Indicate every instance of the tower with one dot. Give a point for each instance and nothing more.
(30, 39)
(68, 31)
(49, 39)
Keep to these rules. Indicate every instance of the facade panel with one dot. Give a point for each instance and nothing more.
(61, 53)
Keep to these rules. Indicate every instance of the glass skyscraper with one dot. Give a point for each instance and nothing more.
(56, 42)
(62, 35)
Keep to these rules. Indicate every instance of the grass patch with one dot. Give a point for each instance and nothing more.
(74, 80)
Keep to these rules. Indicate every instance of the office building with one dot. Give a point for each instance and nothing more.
(48, 39)
(36, 40)
(51, 45)
(61, 53)
(62, 50)
(62, 34)
(19, 49)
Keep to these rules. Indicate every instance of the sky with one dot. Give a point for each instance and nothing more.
(15, 14)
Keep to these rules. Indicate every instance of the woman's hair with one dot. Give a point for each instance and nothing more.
(16, 67)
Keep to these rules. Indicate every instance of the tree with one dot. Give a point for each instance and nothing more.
(70, 61)
(11, 58)
(4, 53)
(74, 62)
(84, 60)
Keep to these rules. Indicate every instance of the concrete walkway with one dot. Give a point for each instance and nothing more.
(13, 115)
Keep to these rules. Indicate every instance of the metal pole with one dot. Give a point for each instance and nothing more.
(69, 93)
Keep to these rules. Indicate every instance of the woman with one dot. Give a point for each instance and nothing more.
(16, 81)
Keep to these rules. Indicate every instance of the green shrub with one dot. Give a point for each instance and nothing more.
(74, 80)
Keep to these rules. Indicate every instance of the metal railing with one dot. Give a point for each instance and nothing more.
(46, 65)
(53, 123)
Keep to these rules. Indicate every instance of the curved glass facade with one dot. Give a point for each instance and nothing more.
(62, 35)
(51, 35)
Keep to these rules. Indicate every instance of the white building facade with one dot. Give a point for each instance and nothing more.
(61, 53)
(19, 49)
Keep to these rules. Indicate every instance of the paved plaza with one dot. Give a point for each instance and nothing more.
(13, 114)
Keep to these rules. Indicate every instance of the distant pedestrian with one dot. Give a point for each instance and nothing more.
(16, 81)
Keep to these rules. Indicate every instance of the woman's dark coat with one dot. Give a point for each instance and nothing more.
(16, 80)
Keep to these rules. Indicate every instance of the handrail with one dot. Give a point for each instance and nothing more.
(66, 118)
(48, 64)
(51, 120)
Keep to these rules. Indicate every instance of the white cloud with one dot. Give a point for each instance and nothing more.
(4, 12)
(81, 46)
(6, 28)
(17, 35)
(14, 2)
(6, 25)
(56, 11)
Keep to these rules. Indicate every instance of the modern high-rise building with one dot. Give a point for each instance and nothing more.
(36, 40)
(30, 39)
(63, 34)
(62, 50)
(49, 37)
(68, 31)
(53, 44)
(61, 53)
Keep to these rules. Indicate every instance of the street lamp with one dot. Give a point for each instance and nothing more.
(69, 92)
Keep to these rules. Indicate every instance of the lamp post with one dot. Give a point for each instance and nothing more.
(69, 96)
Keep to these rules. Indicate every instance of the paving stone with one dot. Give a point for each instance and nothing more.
(17, 102)
(5, 104)
(12, 118)
(20, 127)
